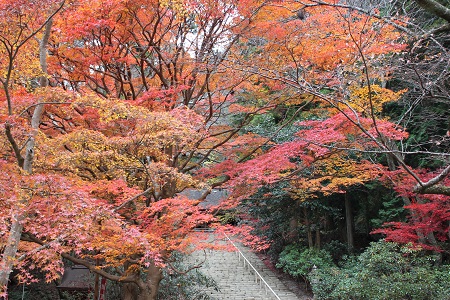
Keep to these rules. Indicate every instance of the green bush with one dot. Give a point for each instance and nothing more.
(228, 218)
(337, 249)
(298, 261)
(384, 271)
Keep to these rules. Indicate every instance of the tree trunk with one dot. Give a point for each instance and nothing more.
(15, 232)
(318, 236)
(9, 254)
(293, 227)
(308, 229)
(39, 109)
(96, 283)
(154, 277)
(130, 291)
(144, 290)
(349, 224)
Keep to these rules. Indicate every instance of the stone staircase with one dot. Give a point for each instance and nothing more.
(236, 279)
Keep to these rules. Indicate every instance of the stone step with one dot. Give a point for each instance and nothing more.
(237, 281)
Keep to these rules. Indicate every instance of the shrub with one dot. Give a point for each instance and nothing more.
(298, 261)
(384, 271)
(228, 218)
(337, 249)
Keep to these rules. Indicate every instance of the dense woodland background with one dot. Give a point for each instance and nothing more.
(326, 122)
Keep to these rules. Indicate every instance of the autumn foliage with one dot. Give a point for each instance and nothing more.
(110, 109)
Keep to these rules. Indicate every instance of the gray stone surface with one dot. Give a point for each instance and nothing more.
(236, 279)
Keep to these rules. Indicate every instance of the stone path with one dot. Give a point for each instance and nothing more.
(237, 280)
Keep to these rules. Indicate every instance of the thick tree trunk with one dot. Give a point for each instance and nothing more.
(349, 224)
(154, 277)
(130, 291)
(144, 289)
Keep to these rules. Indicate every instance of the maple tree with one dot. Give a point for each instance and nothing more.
(372, 74)
(139, 94)
(160, 55)
(427, 226)
(50, 203)
(291, 41)
(420, 189)
(107, 164)
(83, 195)
(356, 45)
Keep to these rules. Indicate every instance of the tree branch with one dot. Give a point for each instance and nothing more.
(437, 189)
(132, 199)
(14, 145)
(435, 8)
(94, 269)
(432, 186)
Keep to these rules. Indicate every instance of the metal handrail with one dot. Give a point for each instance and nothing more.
(261, 279)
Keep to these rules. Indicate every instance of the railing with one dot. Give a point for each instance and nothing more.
(248, 264)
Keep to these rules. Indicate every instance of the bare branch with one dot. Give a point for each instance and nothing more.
(432, 187)
(435, 8)
(94, 269)
(132, 199)
(14, 145)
